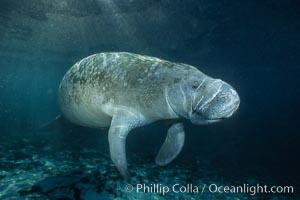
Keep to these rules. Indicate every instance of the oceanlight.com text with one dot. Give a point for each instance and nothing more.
(211, 188)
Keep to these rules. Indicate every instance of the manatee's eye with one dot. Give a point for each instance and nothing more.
(194, 86)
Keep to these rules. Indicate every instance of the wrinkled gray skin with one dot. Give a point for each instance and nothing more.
(126, 91)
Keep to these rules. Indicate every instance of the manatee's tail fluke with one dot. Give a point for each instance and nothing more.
(57, 124)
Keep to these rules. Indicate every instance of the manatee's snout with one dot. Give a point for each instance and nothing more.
(214, 100)
(224, 104)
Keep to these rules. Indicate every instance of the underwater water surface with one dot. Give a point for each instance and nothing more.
(253, 45)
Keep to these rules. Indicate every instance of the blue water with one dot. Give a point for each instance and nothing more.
(253, 45)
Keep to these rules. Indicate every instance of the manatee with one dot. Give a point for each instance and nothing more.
(124, 91)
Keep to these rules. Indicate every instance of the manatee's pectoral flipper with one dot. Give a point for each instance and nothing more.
(117, 137)
(122, 123)
(172, 145)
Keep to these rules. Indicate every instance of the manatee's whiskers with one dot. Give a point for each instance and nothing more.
(216, 93)
(198, 104)
(194, 96)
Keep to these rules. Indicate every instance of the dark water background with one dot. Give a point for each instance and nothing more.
(253, 45)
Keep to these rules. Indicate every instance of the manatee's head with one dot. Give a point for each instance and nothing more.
(204, 100)
(212, 101)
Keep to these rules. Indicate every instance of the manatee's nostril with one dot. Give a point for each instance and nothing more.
(236, 99)
(232, 104)
(235, 102)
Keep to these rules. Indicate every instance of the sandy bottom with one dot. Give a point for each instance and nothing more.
(30, 171)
